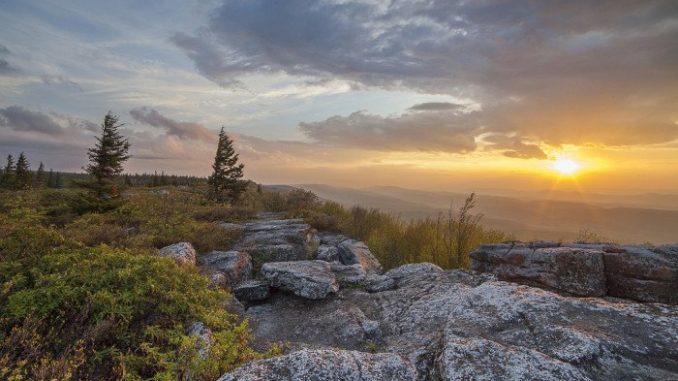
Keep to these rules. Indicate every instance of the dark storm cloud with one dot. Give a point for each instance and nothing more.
(21, 119)
(187, 130)
(557, 72)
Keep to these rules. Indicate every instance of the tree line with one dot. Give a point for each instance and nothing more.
(106, 166)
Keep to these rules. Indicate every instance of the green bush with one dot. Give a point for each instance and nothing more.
(110, 314)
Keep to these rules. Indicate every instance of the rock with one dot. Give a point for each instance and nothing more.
(413, 270)
(252, 290)
(308, 279)
(328, 253)
(331, 239)
(235, 266)
(204, 334)
(573, 270)
(379, 283)
(349, 274)
(643, 274)
(182, 252)
(327, 365)
(278, 240)
(231, 226)
(480, 359)
(356, 252)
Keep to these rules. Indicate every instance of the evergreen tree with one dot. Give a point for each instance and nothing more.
(9, 173)
(40, 175)
(23, 172)
(225, 183)
(107, 157)
(50, 179)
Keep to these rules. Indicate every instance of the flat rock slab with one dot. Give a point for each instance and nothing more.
(308, 279)
(252, 290)
(278, 240)
(327, 365)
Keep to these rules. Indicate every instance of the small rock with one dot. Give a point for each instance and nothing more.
(308, 279)
(182, 252)
(356, 252)
(204, 334)
(236, 266)
(328, 253)
(252, 290)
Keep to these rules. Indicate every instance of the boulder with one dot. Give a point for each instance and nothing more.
(308, 279)
(278, 240)
(353, 252)
(182, 252)
(327, 365)
(327, 253)
(252, 290)
(643, 274)
(576, 271)
(379, 283)
(235, 266)
(349, 274)
(413, 270)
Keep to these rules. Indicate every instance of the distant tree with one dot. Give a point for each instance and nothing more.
(107, 157)
(50, 179)
(155, 181)
(24, 179)
(40, 175)
(9, 173)
(225, 183)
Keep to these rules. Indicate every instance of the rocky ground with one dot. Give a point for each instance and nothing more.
(540, 311)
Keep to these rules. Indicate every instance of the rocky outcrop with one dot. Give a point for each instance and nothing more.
(278, 240)
(574, 270)
(327, 365)
(634, 272)
(647, 275)
(182, 252)
(252, 290)
(308, 279)
(228, 268)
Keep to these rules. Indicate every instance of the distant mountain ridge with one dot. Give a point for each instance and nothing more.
(530, 217)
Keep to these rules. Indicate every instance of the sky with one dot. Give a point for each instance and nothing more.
(426, 94)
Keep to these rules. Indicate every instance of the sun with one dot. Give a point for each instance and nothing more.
(566, 166)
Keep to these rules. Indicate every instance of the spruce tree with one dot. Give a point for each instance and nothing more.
(9, 173)
(225, 183)
(58, 181)
(24, 178)
(40, 175)
(107, 157)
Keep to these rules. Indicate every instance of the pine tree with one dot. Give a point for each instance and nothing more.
(225, 183)
(107, 157)
(50, 179)
(9, 173)
(40, 175)
(24, 178)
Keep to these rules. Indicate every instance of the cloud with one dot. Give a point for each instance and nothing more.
(435, 106)
(186, 130)
(5, 67)
(600, 72)
(21, 119)
(59, 80)
(515, 147)
(427, 132)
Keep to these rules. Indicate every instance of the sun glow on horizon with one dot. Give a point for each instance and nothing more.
(566, 166)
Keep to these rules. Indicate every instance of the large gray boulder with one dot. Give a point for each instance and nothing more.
(643, 274)
(227, 267)
(308, 279)
(278, 240)
(578, 271)
(326, 365)
(182, 252)
(353, 252)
